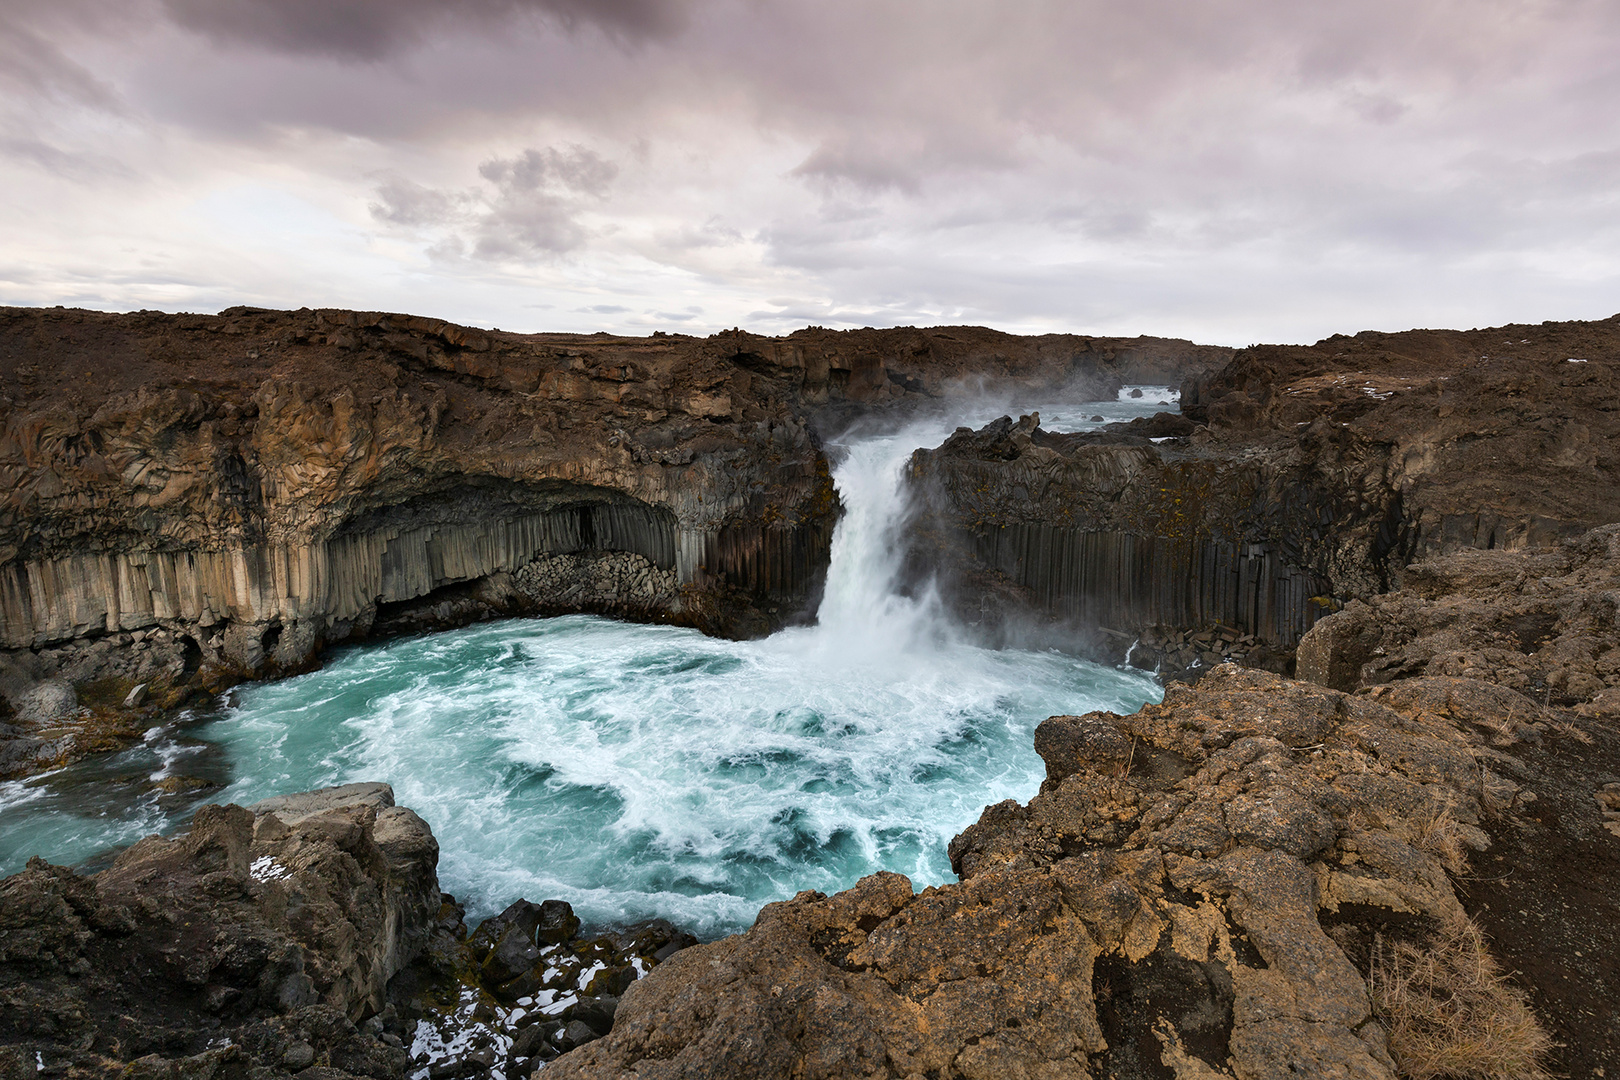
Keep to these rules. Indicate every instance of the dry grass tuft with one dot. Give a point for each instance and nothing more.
(1570, 731)
(1435, 831)
(1450, 1012)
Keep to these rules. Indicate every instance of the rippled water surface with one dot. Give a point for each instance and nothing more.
(641, 770)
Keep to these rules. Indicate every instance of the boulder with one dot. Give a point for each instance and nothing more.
(48, 702)
(276, 935)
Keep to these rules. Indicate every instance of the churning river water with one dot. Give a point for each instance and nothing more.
(640, 771)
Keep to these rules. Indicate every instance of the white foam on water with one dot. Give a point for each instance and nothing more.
(1150, 395)
(640, 771)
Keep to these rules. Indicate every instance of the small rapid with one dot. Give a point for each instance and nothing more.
(640, 771)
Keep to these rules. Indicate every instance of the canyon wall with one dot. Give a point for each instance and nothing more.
(193, 497)
(1293, 481)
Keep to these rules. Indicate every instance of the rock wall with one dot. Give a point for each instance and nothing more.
(1294, 481)
(1113, 531)
(1130, 582)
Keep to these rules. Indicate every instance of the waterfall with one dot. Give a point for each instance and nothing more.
(863, 617)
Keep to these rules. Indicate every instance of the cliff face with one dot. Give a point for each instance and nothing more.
(274, 481)
(192, 499)
(1294, 480)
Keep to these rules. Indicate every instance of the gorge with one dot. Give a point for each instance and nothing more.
(895, 610)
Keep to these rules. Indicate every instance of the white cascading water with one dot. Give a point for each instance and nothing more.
(640, 771)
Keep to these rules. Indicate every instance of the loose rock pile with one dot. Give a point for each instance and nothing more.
(528, 987)
(1187, 655)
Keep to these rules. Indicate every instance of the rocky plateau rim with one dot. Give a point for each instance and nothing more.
(1272, 831)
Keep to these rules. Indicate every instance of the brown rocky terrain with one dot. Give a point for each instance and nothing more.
(1256, 878)
(305, 935)
(282, 927)
(1400, 866)
(1294, 480)
(193, 499)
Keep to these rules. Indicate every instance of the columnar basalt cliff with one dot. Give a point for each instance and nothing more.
(1255, 878)
(196, 499)
(1292, 481)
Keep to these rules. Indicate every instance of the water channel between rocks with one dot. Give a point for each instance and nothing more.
(640, 771)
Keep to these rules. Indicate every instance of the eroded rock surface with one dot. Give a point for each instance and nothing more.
(1545, 623)
(249, 945)
(1172, 903)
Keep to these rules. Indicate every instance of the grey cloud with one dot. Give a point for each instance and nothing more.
(859, 163)
(576, 169)
(538, 225)
(404, 202)
(533, 211)
(67, 164)
(30, 62)
(529, 210)
(713, 233)
(375, 29)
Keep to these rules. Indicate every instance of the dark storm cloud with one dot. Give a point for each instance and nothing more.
(374, 29)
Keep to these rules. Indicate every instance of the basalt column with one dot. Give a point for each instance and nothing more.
(1106, 536)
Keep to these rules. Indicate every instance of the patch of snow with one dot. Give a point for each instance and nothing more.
(590, 973)
(265, 868)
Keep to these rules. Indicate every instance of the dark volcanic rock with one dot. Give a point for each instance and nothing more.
(526, 987)
(1296, 480)
(248, 941)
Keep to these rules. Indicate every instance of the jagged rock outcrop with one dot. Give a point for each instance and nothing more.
(251, 940)
(1545, 623)
(1295, 480)
(1193, 893)
(190, 500)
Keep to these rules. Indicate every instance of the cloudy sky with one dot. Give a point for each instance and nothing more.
(1226, 170)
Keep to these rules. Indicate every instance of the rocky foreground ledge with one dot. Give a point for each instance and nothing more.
(303, 936)
(1256, 878)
